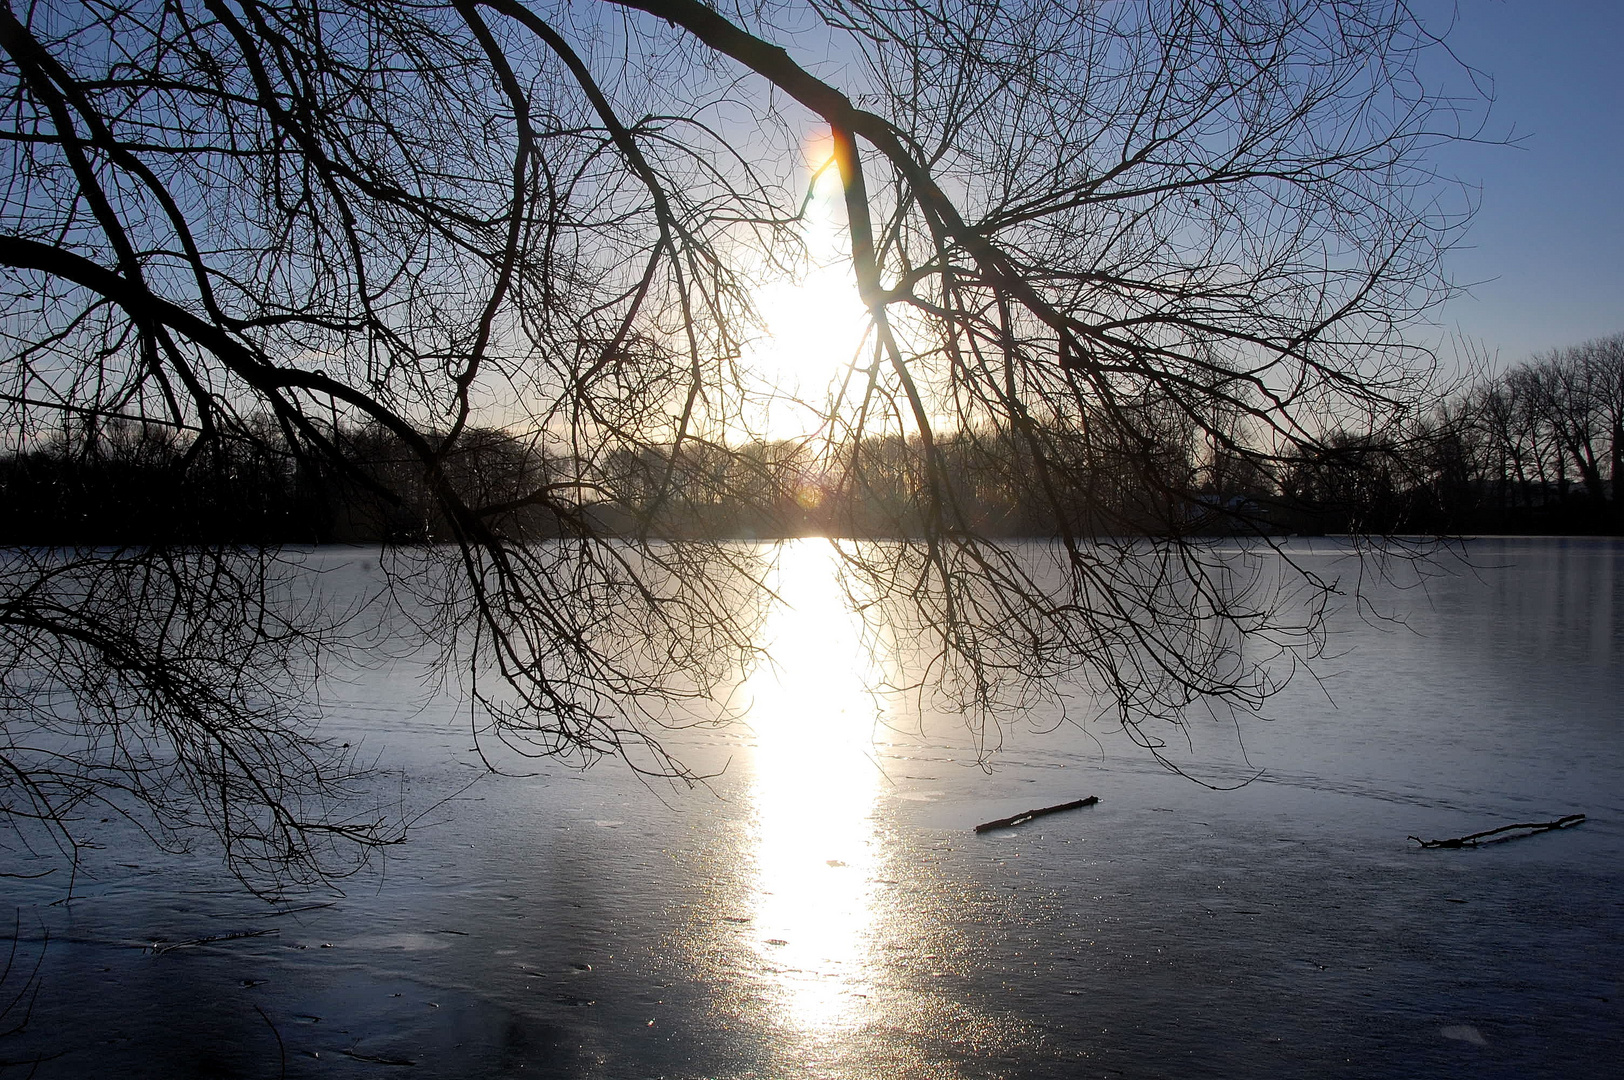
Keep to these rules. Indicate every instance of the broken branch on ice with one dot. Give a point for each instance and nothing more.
(1022, 819)
(375, 1059)
(1525, 829)
(160, 947)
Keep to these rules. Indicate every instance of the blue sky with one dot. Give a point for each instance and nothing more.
(1547, 246)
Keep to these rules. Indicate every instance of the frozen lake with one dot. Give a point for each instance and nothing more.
(824, 910)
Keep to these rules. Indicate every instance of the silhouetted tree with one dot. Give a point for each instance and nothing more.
(1112, 256)
(1547, 437)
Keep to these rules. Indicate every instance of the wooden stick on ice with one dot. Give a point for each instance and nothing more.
(1022, 819)
(1478, 837)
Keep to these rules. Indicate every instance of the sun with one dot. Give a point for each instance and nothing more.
(818, 152)
(813, 323)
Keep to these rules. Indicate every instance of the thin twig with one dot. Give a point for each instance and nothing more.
(160, 947)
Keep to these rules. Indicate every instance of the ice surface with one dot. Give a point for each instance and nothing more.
(823, 910)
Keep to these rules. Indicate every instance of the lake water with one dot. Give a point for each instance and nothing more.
(824, 909)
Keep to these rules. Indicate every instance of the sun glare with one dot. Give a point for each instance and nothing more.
(813, 322)
(818, 150)
(814, 788)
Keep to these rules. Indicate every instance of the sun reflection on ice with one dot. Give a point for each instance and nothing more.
(814, 788)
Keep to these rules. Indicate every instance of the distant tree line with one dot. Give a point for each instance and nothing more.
(113, 480)
(1541, 447)
(1534, 449)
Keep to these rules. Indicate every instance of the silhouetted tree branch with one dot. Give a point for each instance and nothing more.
(495, 265)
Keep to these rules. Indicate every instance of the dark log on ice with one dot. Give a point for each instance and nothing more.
(1526, 829)
(1022, 819)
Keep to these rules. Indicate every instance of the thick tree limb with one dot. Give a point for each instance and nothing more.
(1022, 819)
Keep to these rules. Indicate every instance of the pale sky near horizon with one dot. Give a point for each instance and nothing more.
(1546, 249)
